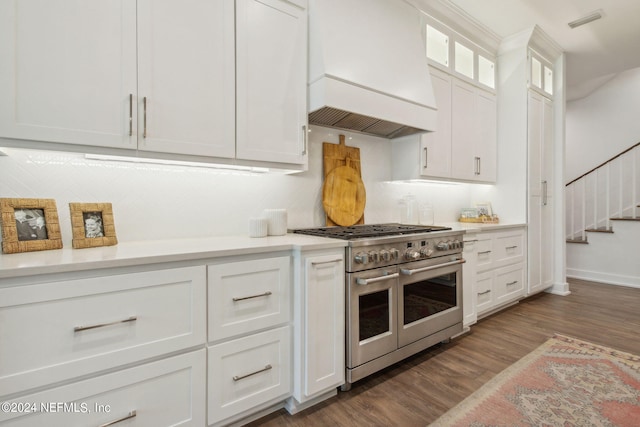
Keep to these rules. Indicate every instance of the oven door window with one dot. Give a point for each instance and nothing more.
(374, 314)
(428, 297)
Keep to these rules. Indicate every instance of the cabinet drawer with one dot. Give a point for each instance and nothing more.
(169, 392)
(484, 291)
(509, 283)
(55, 331)
(484, 252)
(248, 372)
(248, 296)
(509, 248)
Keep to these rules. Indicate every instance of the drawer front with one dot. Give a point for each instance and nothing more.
(509, 249)
(169, 392)
(56, 331)
(248, 296)
(484, 291)
(509, 284)
(484, 252)
(248, 372)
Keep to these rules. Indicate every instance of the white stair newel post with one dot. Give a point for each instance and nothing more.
(607, 210)
(583, 209)
(634, 185)
(595, 199)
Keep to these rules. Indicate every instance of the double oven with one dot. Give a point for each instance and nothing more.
(403, 292)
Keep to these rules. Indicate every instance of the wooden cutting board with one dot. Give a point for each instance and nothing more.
(344, 197)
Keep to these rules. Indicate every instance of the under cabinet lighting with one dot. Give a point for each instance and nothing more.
(593, 16)
(249, 169)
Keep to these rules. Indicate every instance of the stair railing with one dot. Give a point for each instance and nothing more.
(608, 190)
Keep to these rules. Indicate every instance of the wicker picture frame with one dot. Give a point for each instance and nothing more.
(92, 225)
(29, 225)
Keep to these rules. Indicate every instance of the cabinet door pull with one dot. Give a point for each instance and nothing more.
(144, 115)
(512, 283)
(102, 325)
(132, 414)
(426, 157)
(477, 171)
(240, 377)
(305, 140)
(266, 294)
(484, 252)
(511, 247)
(314, 263)
(130, 114)
(484, 293)
(544, 193)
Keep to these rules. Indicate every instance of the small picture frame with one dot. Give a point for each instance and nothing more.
(484, 209)
(29, 225)
(92, 225)
(469, 213)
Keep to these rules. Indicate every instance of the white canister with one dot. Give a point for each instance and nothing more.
(258, 227)
(277, 219)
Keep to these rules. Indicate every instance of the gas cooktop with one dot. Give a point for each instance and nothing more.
(368, 230)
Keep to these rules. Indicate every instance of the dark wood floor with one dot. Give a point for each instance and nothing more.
(418, 390)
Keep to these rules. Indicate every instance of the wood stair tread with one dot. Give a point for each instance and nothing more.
(599, 230)
(625, 218)
(582, 241)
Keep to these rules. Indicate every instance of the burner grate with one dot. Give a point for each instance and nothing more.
(368, 230)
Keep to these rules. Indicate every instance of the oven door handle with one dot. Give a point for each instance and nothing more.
(362, 281)
(409, 272)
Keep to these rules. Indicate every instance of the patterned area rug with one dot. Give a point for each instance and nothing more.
(564, 382)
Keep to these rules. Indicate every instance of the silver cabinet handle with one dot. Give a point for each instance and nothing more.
(470, 241)
(326, 262)
(266, 294)
(132, 414)
(426, 157)
(484, 252)
(544, 193)
(512, 283)
(102, 325)
(144, 115)
(484, 293)
(240, 377)
(511, 247)
(361, 281)
(477, 171)
(409, 272)
(304, 139)
(130, 114)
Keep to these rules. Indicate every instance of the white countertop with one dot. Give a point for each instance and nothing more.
(153, 252)
(472, 227)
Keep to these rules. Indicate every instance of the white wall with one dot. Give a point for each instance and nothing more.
(602, 124)
(158, 201)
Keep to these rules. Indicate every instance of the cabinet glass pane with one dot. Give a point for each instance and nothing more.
(437, 46)
(548, 80)
(536, 72)
(464, 60)
(486, 73)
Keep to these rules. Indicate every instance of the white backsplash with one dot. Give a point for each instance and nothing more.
(164, 202)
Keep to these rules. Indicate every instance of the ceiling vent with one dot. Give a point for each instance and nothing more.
(593, 16)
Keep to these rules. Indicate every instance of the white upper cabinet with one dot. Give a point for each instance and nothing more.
(186, 97)
(222, 79)
(473, 134)
(271, 49)
(67, 72)
(436, 146)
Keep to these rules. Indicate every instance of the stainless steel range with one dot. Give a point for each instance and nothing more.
(403, 291)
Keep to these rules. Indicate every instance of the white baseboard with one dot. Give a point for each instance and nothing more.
(559, 289)
(608, 278)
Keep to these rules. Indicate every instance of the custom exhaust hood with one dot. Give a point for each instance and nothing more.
(368, 70)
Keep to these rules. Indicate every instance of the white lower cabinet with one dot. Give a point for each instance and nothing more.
(95, 350)
(90, 325)
(319, 328)
(248, 373)
(249, 350)
(500, 265)
(168, 392)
